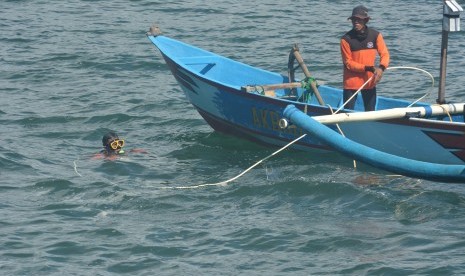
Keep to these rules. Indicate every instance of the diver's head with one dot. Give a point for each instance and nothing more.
(112, 143)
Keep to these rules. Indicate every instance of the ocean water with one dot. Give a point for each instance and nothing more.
(72, 70)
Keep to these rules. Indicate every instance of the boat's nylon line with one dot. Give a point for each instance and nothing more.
(341, 132)
(75, 168)
(353, 95)
(418, 69)
(447, 112)
(392, 68)
(223, 183)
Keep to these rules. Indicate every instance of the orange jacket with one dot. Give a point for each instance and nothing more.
(360, 52)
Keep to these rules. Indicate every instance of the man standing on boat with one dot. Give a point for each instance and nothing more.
(359, 47)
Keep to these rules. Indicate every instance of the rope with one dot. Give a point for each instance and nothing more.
(223, 183)
(306, 84)
(392, 68)
(418, 69)
(308, 93)
(447, 112)
(355, 94)
(341, 132)
(75, 168)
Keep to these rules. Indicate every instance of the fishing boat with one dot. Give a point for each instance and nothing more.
(248, 102)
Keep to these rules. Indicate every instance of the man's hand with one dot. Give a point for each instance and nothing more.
(378, 74)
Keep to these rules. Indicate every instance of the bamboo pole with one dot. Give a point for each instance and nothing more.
(300, 60)
(394, 113)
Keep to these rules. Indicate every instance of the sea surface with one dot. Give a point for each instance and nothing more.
(72, 70)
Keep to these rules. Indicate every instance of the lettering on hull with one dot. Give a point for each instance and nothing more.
(269, 120)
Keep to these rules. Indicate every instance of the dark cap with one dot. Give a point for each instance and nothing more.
(360, 12)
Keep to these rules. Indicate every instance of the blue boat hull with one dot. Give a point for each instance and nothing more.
(212, 84)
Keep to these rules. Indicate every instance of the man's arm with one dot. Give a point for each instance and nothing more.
(384, 58)
(383, 52)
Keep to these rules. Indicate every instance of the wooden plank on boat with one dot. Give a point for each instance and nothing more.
(262, 88)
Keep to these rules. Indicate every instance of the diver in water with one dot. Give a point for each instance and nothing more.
(113, 147)
(112, 144)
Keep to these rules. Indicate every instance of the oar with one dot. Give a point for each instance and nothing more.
(307, 74)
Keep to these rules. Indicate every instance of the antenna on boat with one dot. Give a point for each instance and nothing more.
(450, 23)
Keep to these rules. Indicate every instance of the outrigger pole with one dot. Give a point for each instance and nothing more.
(450, 23)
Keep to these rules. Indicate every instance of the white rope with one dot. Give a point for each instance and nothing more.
(392, 68)
(355, 94)
(341, 132)
(418, 69)
(75, 168)
(223, 183)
